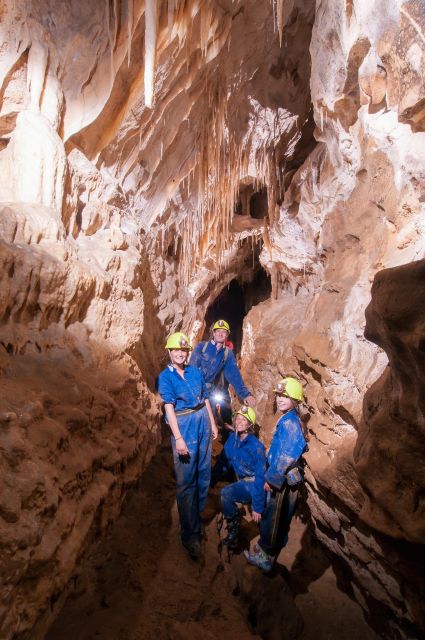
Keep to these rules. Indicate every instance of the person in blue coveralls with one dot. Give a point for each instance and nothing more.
(244, 455)
(189, 415)
(283, 476)
(218, 365)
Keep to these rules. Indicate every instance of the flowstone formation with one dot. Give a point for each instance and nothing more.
(150, 152)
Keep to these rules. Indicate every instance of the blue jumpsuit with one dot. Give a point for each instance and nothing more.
(193, 472)
(247, 459)
(211, 364)
(286, 449)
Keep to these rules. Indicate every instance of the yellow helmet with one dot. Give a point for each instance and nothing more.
(290, 387)
(221, 324)
(178, 341)
(248, 413)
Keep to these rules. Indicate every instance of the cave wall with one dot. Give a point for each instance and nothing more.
(116, 227)
(353, 208)
(108, 207)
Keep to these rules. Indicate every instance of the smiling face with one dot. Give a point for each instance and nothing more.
(220, 336)
(241, 423)
(178, 357)
(283, 403)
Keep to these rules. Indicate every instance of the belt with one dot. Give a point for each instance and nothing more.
(186, 412)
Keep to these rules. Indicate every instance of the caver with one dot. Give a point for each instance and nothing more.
(190, 417)
(245, 457)
(283, 476)
(218, 365)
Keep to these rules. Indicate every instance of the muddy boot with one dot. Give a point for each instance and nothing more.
(233, 528)
(260, 559)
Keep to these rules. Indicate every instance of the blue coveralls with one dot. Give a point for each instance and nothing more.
(247, 459)
(211, 363)
(286, 449)
(193, 472)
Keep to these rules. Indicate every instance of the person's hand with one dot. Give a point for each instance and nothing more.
(256, 516)
(267, 487)
(228, 426)
(181, 447)
(250, 401)
(214, 431)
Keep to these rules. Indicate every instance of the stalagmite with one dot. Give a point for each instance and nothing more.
(151, 27)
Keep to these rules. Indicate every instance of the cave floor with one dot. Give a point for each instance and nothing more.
(138, 583)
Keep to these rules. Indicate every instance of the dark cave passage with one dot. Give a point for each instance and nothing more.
(235, 300)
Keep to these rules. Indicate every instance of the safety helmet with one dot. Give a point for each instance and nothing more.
(221, 324)
(178, 341)
(248, 413)
(290, 387)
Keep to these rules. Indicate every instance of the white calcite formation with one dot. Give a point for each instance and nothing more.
(129, 132)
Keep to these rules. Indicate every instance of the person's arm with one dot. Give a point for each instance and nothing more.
(181, 446)
(212, 419)
(195, 358)
(291, 445)
(259, 494)
(233, 375)
(167, 392)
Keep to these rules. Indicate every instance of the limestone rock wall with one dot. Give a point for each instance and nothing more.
(353, 208)
(129, 131)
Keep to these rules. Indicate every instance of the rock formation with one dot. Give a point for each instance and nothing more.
(148, 151)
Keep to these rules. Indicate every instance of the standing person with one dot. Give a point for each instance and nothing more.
(190, 418)
(218, 365)
(283, 476)
(243, 454)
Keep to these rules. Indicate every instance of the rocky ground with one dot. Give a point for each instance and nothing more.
(139, 583)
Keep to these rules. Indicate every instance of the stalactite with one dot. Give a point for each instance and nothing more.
(111, 41)
(279, 18)
(129, 30)
(170, 15)
(151, 28)
(116, 22)
(222, 158)
(205, 24)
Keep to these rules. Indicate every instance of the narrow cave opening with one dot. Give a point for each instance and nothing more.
(236, 299)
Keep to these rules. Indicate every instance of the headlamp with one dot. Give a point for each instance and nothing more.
(281, 388)
(218, 396)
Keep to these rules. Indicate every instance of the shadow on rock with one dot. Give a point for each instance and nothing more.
(273, 613)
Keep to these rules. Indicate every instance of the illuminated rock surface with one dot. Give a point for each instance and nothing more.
(117, 227)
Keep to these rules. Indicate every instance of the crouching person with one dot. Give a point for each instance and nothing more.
(243, 454)
(283, 476)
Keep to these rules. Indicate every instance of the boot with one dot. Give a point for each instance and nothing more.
(260, 559)
(233, 528)
(194, 548)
